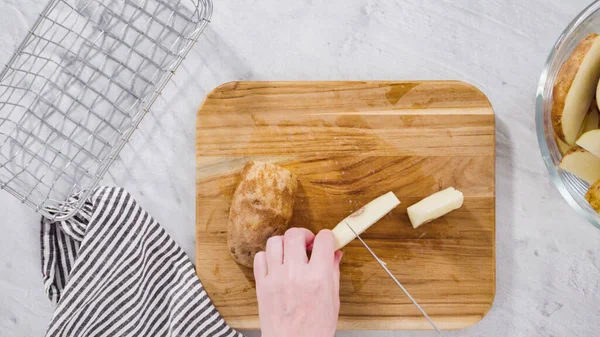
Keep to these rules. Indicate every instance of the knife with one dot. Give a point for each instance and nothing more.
(382, 264)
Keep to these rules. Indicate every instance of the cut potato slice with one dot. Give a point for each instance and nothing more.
(562, 146)
(581, 163)
(593, 196)
(574, 88)
(592, 119)
(590, 141)
(364, 218)
(435, 206)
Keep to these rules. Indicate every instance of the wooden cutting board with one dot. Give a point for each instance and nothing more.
(350, 142)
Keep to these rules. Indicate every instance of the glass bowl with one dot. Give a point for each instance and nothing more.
(572, 188)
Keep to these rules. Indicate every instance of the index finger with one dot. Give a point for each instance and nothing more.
(323, 252)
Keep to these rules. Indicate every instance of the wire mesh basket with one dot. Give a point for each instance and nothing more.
(77, 87)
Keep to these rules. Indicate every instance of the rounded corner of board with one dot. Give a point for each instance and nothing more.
(483, 315)
(227, 86)
(220, 89)
(480, 92)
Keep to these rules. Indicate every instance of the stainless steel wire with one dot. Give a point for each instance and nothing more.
(78, 86)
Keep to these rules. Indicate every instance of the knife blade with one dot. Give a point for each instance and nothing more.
(383, 265)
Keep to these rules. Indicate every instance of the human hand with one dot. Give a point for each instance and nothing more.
(298, 297)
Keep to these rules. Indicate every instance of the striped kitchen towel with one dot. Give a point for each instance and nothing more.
(112, 270)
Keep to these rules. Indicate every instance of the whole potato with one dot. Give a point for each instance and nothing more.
(262, 207)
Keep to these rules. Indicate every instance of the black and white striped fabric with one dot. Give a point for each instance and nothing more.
(112, 270)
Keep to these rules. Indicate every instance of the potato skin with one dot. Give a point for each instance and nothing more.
(261, 207)
(562, 146)
(593, 196)
(574, 149)
(564, 80)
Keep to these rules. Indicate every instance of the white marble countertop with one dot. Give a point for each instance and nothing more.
(548, 259)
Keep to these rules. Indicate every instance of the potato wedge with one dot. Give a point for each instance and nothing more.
(593, 196)
(582, 164)
(575, 87)
(435, 206)
(592, 120)
(562, 146)
(590, 141)
(364, 218)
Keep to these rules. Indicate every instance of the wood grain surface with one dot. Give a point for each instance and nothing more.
(350, 142)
